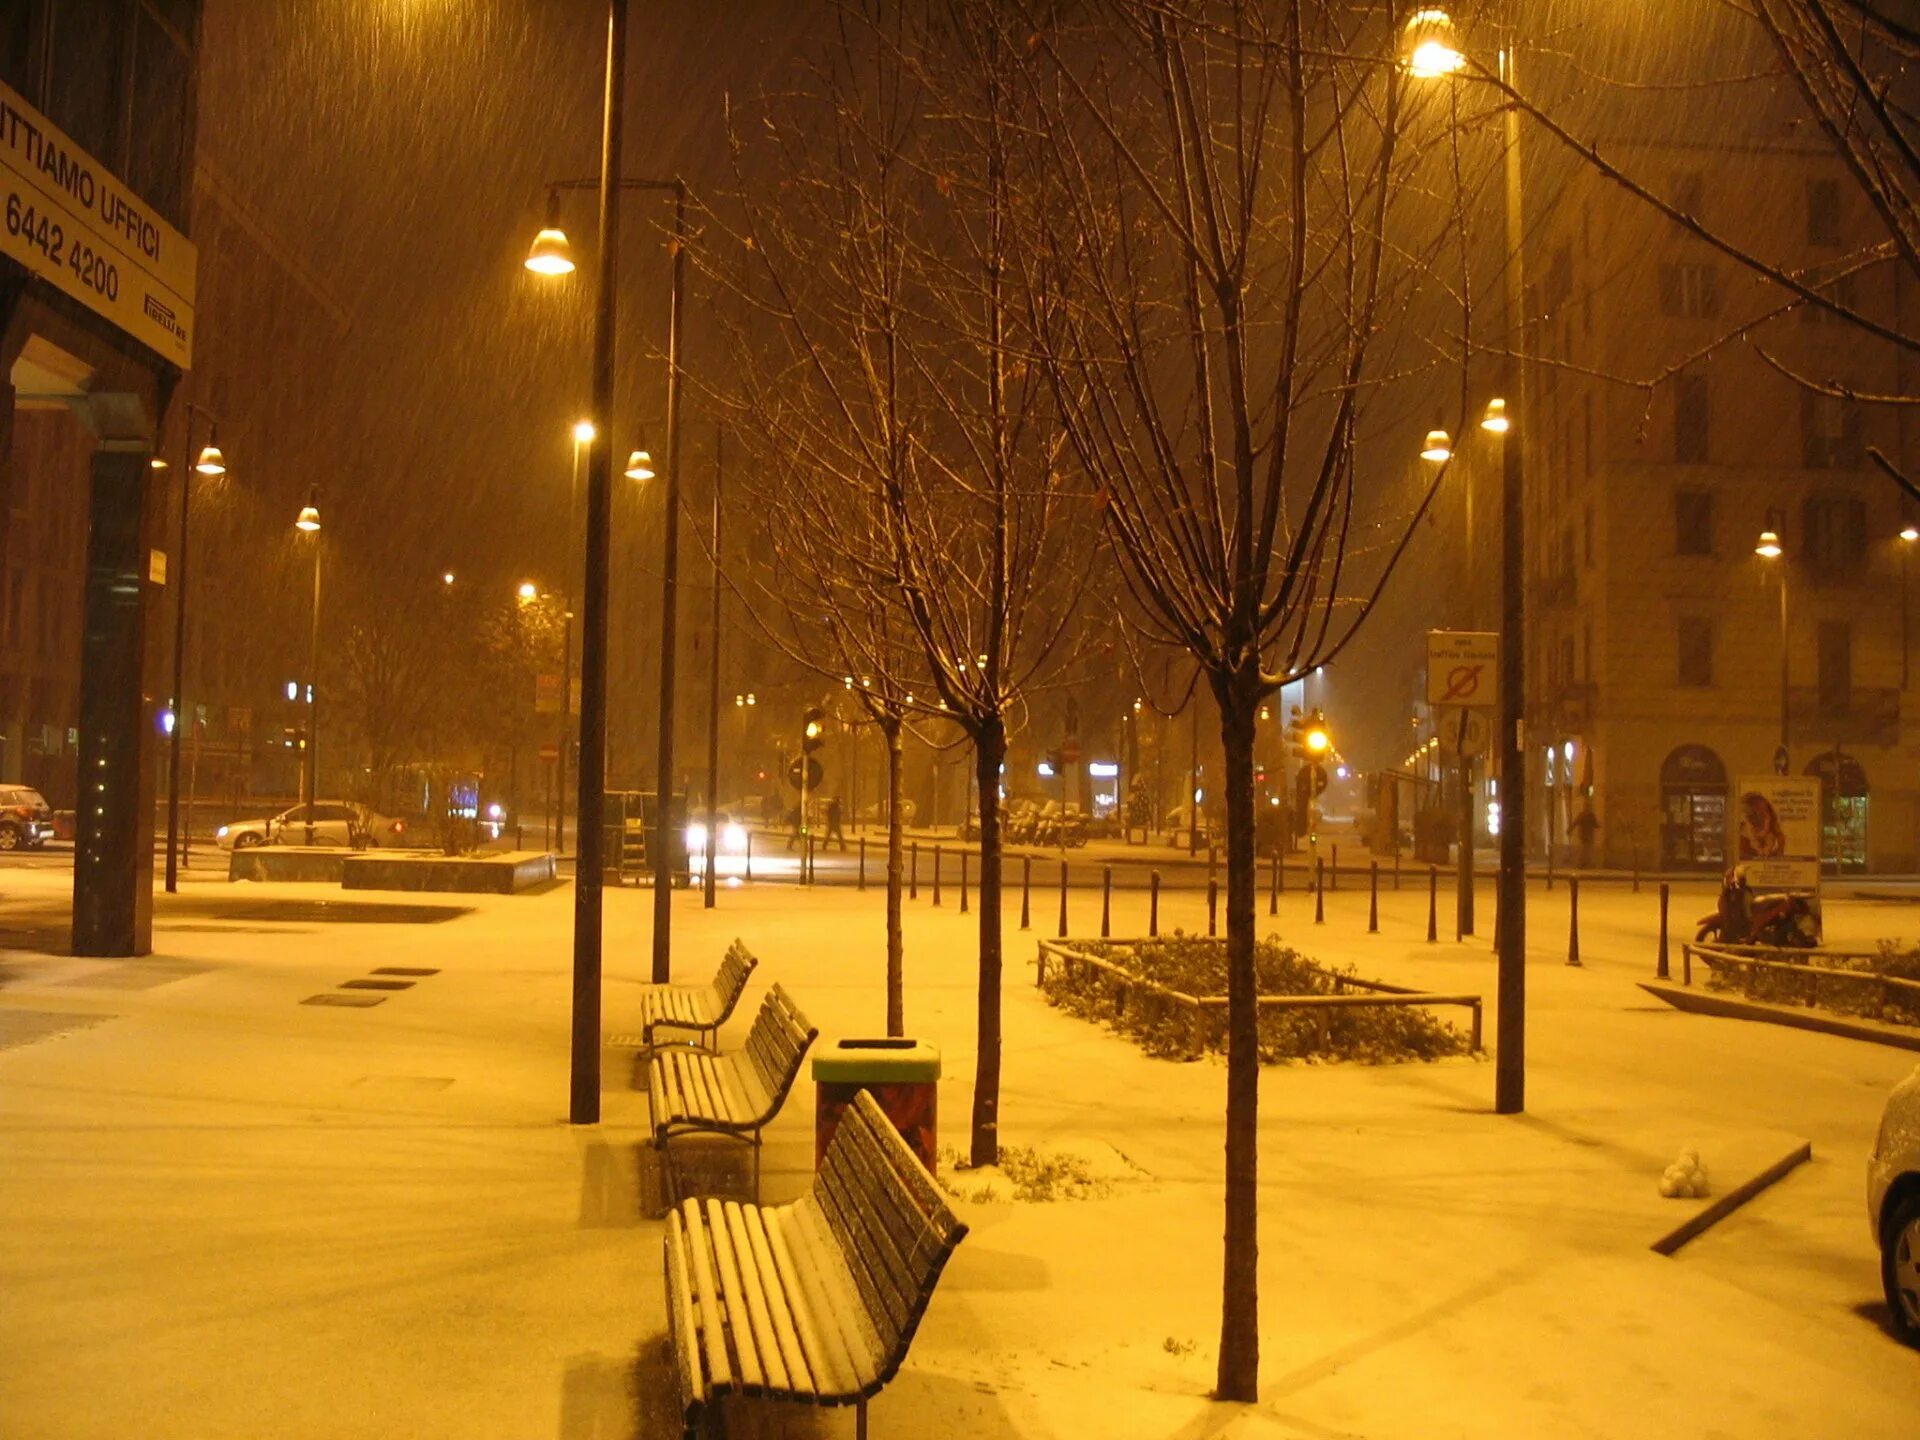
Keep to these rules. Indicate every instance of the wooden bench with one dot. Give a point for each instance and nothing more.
(693, 1093)
(815, 1302)
(699, 1009)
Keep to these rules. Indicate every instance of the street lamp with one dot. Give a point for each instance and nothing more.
(1431, 52)
(210, 463)
(551, 255)
(1769, 548)
(308, 522)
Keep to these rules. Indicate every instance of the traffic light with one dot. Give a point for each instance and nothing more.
(813, 732)
(1308, 736)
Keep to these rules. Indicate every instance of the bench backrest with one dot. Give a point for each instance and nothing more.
(731, 980)
(777, 1044)
(891, 1222)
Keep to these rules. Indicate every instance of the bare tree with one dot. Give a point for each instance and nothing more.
(880, 265)
(1235, 233)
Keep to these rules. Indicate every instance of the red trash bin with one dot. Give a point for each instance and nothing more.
(902, 1075)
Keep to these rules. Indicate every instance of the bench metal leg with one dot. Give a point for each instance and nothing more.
(860, 1421)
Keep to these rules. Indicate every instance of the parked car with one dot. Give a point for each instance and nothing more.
(26, 820)
(1893, 1205)
(335, 822)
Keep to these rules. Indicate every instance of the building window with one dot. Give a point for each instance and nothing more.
(1689, 189)
(16, 49)
(1836, 533)
(1823, 212)
(1843, 291)
(1832, 433)
(1836, 667)
(1690, 290)
(1695, 636)
(1690, 415)
(1693, 522)
(86, 74)
(162, 75)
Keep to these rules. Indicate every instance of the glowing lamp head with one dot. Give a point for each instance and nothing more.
(1317, 741)
(1495, 420)
(583, 432)
(308, 519)
(551, 254)
(1769, 546)
(639, 466)
(528, 591)
(1428, 43)
(1438, 447)
(1910, 533)
(211, 461)
(157, 463)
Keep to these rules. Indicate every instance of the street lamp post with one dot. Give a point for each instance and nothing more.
(309, 523)
(550, 256)
(713, 686)
(210, 462)
(583, 434)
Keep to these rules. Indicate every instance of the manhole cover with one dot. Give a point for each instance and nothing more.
(403, 970)
(376, 985)
(358, 1002)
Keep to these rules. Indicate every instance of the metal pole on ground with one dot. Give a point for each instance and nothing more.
(1026, 892)
(1153, 902)
(1573, 920)
(1373, 897)
(1433, 904)
(862, 883)
(1273, 885)
(749, 865)
(1106, 901)
(1661, 970)
(913, 872)
(1063, 899)
(1213, 906)
(1319, 891)
(936, 877)
(963, 881)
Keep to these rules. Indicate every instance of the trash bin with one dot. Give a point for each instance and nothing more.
(902, 1075)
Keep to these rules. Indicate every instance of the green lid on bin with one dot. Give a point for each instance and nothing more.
(876, 1061)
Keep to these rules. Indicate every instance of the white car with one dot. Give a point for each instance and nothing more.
(1893, 1205)
(335, 822)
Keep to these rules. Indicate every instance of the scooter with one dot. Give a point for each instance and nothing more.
(1743, 918)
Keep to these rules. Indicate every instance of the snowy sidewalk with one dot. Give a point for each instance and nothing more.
(227, 1213)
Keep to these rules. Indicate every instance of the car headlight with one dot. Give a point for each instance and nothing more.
(733, 837)
(697, 839)
(221, 833)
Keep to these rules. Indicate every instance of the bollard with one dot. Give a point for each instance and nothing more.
(1335, 867)
(936, 876)
(806, 859)
(1273, 886)
(1319, 891)
(1433, 904)
(1661, 970)
(1213, 906)
(1106, 902)
(963, 881)
(1549, 867)
(1153, 902)
(749, 855)
(1373, 898)
(913, 872)
(862, 883)
(1063, 899)
(1573, 920)
(1210, 862)
(1026, 892)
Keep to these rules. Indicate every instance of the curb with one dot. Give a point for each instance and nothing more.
(1731, 1201)
(1698, 1002)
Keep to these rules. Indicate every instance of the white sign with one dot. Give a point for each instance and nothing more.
(1463, 667)
(75, 225)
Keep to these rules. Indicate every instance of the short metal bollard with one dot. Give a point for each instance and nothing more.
(936, 876)
(863, 864)
(1213, 906)
(1063, 899)
(1106, 902)
(749, 855)
(1573, 920)
(1373, 897)
(1273, 886)
(1026, 892)
(913, 872)
(1433, 905)
(964, 855)
(1319, 891)
(1661, 969)
(1153, 902)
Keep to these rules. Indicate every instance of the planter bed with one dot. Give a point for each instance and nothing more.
(1881, 985)
(1163, 993)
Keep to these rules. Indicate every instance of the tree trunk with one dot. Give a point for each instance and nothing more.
(896, 847)
(1239, 1375)
(990, 749)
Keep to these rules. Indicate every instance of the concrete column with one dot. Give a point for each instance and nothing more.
(113, 835)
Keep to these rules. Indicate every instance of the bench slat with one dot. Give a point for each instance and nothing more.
(786, 1308)
(887, 1202)
(838, 1301)
(753, 1375)
(759, 1313)
(712, 1331)
(869, 1250)
(832, 1363)
(684, 1326)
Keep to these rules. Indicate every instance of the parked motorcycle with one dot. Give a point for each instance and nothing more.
(1743, 918)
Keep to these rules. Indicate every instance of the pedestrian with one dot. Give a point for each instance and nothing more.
(793, 822)
(834, 831)
(1584, 824)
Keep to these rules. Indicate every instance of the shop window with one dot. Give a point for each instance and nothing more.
(1836, 534)
(1695, 637)
(1690, 419)
(1693, 522)
(1690, 290)
(1823, 212)
(1836, 667)
(1832, 433)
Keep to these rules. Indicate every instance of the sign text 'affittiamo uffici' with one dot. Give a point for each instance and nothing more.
(77, 226)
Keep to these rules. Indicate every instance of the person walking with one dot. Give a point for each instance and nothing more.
(834, 832)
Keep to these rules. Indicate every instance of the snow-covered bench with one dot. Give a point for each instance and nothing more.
(815, 1302)
(690, 1092)
(698, 1010)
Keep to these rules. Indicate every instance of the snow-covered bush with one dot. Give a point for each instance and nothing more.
(1811, 982)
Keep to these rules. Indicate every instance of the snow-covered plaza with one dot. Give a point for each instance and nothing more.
(226, 1213)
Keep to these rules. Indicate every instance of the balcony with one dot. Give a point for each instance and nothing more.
(1871, 716)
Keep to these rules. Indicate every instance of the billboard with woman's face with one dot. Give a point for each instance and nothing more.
(1777, 823)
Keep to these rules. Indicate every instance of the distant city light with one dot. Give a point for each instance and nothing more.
(584, 431)
(1103, 769)
(1046, 770)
